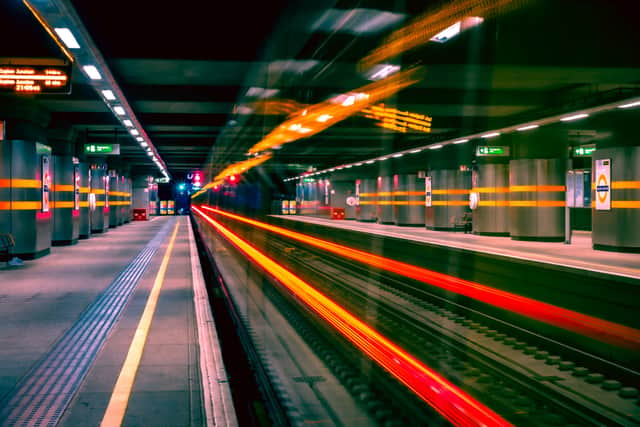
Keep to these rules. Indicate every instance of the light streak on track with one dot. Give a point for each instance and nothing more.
(451, 402)
(593, 327)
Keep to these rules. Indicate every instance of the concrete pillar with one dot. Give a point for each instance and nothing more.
(409, 197)
(616, 228)
(450, 190)
(490, 185)
(98, 200)
(366, 196)
(25, 178)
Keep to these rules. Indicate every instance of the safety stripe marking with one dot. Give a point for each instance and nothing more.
(20, 183)
(20, 206)
(119, 401)
(63, 187)
(43, 394)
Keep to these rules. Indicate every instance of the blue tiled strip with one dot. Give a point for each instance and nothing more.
(43, 394)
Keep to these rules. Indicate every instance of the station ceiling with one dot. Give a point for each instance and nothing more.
(208, 80)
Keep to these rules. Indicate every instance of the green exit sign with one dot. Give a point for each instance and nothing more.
(495, 150)
(102, 149)
(584, 151)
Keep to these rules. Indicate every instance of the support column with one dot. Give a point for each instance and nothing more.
(25, 178)
(616, 228)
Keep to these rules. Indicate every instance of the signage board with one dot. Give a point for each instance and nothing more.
(76, 187)
(584, 151)
(571, 186)
(427, 191)
(603, 184)
(46, 183)
(492, 150)
(102, 149)
(41, 78)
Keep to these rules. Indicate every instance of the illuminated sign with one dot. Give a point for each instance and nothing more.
(585, 151)
(488, 150)
(104, 149)
(399, 121)
(35, 78)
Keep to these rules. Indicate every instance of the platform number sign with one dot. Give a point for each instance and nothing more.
(46, 183)
(603, 184)
(427, 191)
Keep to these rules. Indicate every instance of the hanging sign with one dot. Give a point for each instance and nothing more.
(603, 184)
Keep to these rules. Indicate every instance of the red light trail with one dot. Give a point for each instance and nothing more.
(450, 401)
(593, 327)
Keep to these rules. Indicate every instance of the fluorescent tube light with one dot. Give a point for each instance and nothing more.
(108, 95)
(630, 105)
(490, 135)
(435, 147)
(144, 144)
(127, 123)
(415, 151)
(523, 128)
(460, 141)
(574, 117)
(92, 72)
(67, 37)
(398, 155)
(369, 162)
(139, 139)
(134, 132)
(119, 110)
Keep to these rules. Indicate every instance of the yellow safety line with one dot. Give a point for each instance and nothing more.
(114, 415)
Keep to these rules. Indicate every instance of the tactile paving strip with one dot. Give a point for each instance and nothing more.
(43, 394)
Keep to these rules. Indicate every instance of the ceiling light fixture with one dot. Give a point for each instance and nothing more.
(67, 37)
(398, 155)
(630, 105)
(144, 144)
(528, 127)
(490, 135)
(92, 72)
(108, 95)
(369, 162)
(417, 150)
(119, 110)
(324, 117)
(460, 141)
(127, 122)
(574, 117)
(435, 147)
(134, 132)
(139, 139)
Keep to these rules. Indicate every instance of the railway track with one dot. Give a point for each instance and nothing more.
(513, 370)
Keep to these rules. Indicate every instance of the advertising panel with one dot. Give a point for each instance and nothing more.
(603, 184)
(427, 191)
(46, 183)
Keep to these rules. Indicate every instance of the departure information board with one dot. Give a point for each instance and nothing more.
(35, 78)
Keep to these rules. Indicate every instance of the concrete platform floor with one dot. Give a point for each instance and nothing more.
(42, 299)
(579, 254)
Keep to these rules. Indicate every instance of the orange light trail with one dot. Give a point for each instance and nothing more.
(318, 117)
(420, 30)
(452, 403)
(593, 327)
